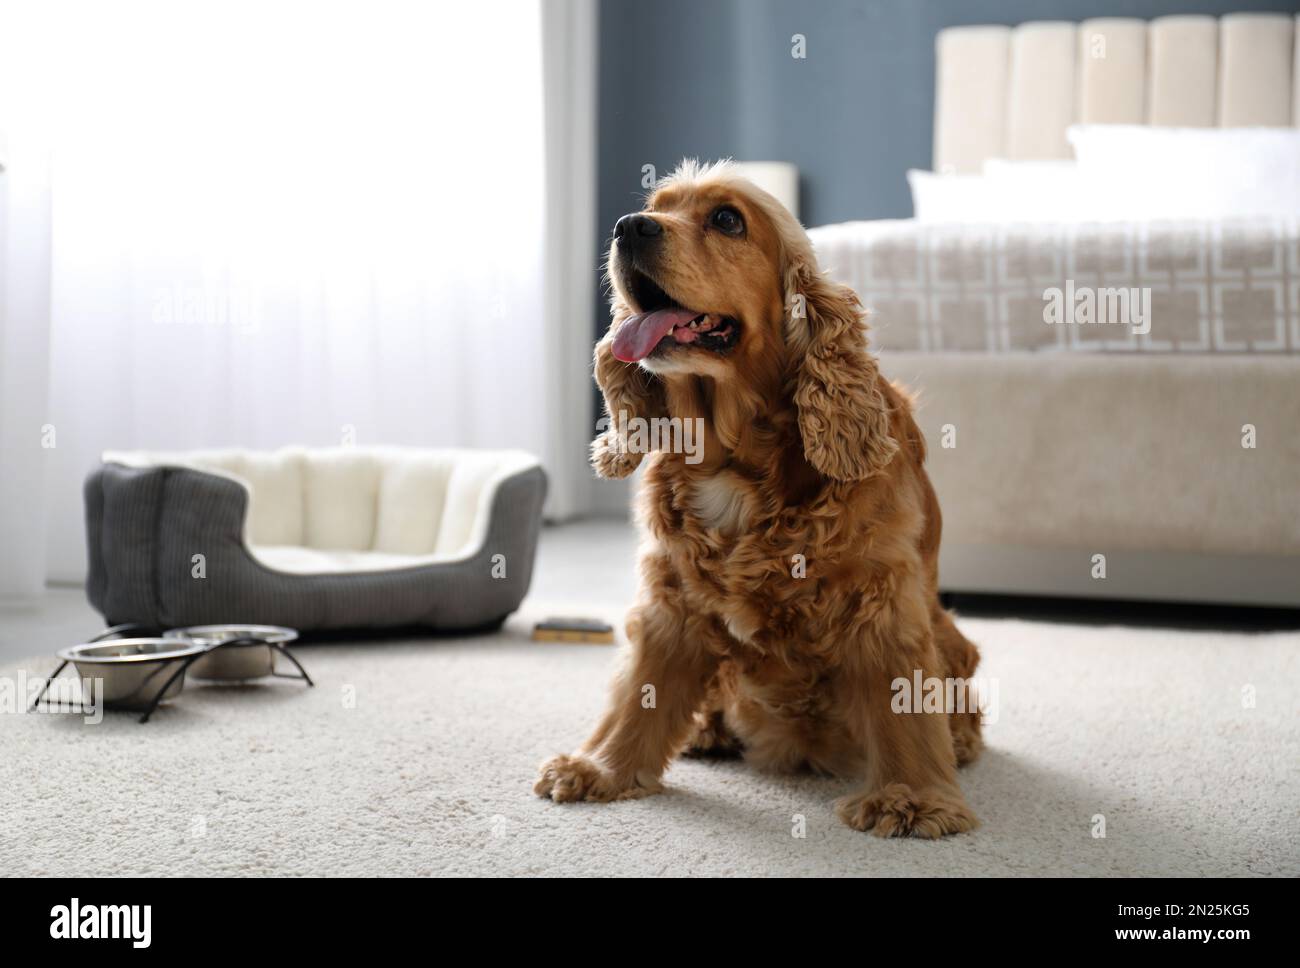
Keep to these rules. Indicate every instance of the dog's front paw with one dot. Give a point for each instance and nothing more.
(611, 459)
(898, 811)
(568, 778)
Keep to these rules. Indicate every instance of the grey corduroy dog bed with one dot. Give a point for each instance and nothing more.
(313, 539)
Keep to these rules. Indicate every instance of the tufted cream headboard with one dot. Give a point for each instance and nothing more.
(1010, 92)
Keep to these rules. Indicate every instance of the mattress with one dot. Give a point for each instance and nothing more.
(1221, 286)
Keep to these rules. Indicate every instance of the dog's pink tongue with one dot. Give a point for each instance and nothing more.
(640, 334)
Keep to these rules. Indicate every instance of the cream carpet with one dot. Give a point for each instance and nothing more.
(417, 757)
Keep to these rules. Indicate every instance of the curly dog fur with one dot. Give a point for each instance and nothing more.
(789, 575)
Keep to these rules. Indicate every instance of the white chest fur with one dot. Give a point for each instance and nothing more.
(721, 502)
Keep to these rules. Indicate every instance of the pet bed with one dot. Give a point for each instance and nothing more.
(313, 539)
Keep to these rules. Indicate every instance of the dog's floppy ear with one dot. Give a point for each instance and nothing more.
(630, 392)
(843, 416)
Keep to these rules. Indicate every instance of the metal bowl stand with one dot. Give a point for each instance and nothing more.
(243, 642)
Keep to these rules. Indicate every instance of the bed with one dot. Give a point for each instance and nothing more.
(1100, 460)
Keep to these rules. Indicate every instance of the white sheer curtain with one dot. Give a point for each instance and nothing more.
(268, 224)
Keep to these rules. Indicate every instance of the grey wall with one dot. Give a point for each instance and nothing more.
(714, 78)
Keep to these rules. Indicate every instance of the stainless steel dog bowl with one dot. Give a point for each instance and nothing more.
(233, 662)
(132, 670)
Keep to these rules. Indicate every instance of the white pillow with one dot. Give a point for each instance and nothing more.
(1139, 172)
(1039, 191)
(1008, 191)
(950, 198)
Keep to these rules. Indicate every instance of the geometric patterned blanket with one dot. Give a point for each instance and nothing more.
(1220, 286)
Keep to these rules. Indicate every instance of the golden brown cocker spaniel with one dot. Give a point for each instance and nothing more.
(788, 574)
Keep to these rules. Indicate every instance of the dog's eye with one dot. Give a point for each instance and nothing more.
(728, 220)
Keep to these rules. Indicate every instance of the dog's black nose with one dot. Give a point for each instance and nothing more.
(635, 227)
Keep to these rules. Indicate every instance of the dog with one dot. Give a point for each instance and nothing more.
(788, 576)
